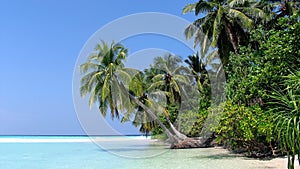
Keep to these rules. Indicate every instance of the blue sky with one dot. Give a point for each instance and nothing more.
(39, 45)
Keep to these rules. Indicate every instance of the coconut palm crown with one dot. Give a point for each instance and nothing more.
(100, 78)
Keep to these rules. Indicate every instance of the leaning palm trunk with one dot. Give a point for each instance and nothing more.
(178, 134)
(174, 136)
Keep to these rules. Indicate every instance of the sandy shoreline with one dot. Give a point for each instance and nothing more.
(278, 163)
(274, 163)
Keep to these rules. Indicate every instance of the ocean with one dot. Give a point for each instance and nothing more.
(110, 152)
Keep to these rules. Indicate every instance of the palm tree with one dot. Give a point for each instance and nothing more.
(104, 80)
(199, 71)
(100, 78)
(140, 118)
(204, 64)
(170, 77)
(278, 9)
(226, 23)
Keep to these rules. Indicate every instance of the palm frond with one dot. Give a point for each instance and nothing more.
(94, 95)
(180, 70)
(205, 26)
(245, 21)
(123, 76)
(190, 31)
(216, 27)
(189, 8)
(212, 56)
(88, 66)
(136, 85)
(204, 7)
(158, 77)
(205, 45)
(156, 85)
(182, 79)
(255, 13)
(153, 105)
(233, 3)
(105, 88)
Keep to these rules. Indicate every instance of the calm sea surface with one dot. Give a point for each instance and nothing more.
(60, 152)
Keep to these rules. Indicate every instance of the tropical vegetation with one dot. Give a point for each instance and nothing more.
(258, 44)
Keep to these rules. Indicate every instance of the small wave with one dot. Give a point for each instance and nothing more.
(37, 140)
(67, 139)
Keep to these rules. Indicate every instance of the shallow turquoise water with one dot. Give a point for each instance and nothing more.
(88, 155)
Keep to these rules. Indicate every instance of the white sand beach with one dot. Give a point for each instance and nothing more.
(278, 163)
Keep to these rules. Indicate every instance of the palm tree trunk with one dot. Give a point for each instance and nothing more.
(175, 131)
(232, 36)
(172, 138)
(179, 135)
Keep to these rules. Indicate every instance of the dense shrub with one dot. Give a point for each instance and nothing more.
(244, 128)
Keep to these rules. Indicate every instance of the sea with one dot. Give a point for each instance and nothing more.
(111, 152)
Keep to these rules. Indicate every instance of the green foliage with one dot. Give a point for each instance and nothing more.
(254, 73)
(263, 87)
(192, 128)
(225, 22)
(100, 79)
(262, 110)
(243, 127)
(286, 110)
(263, 82)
